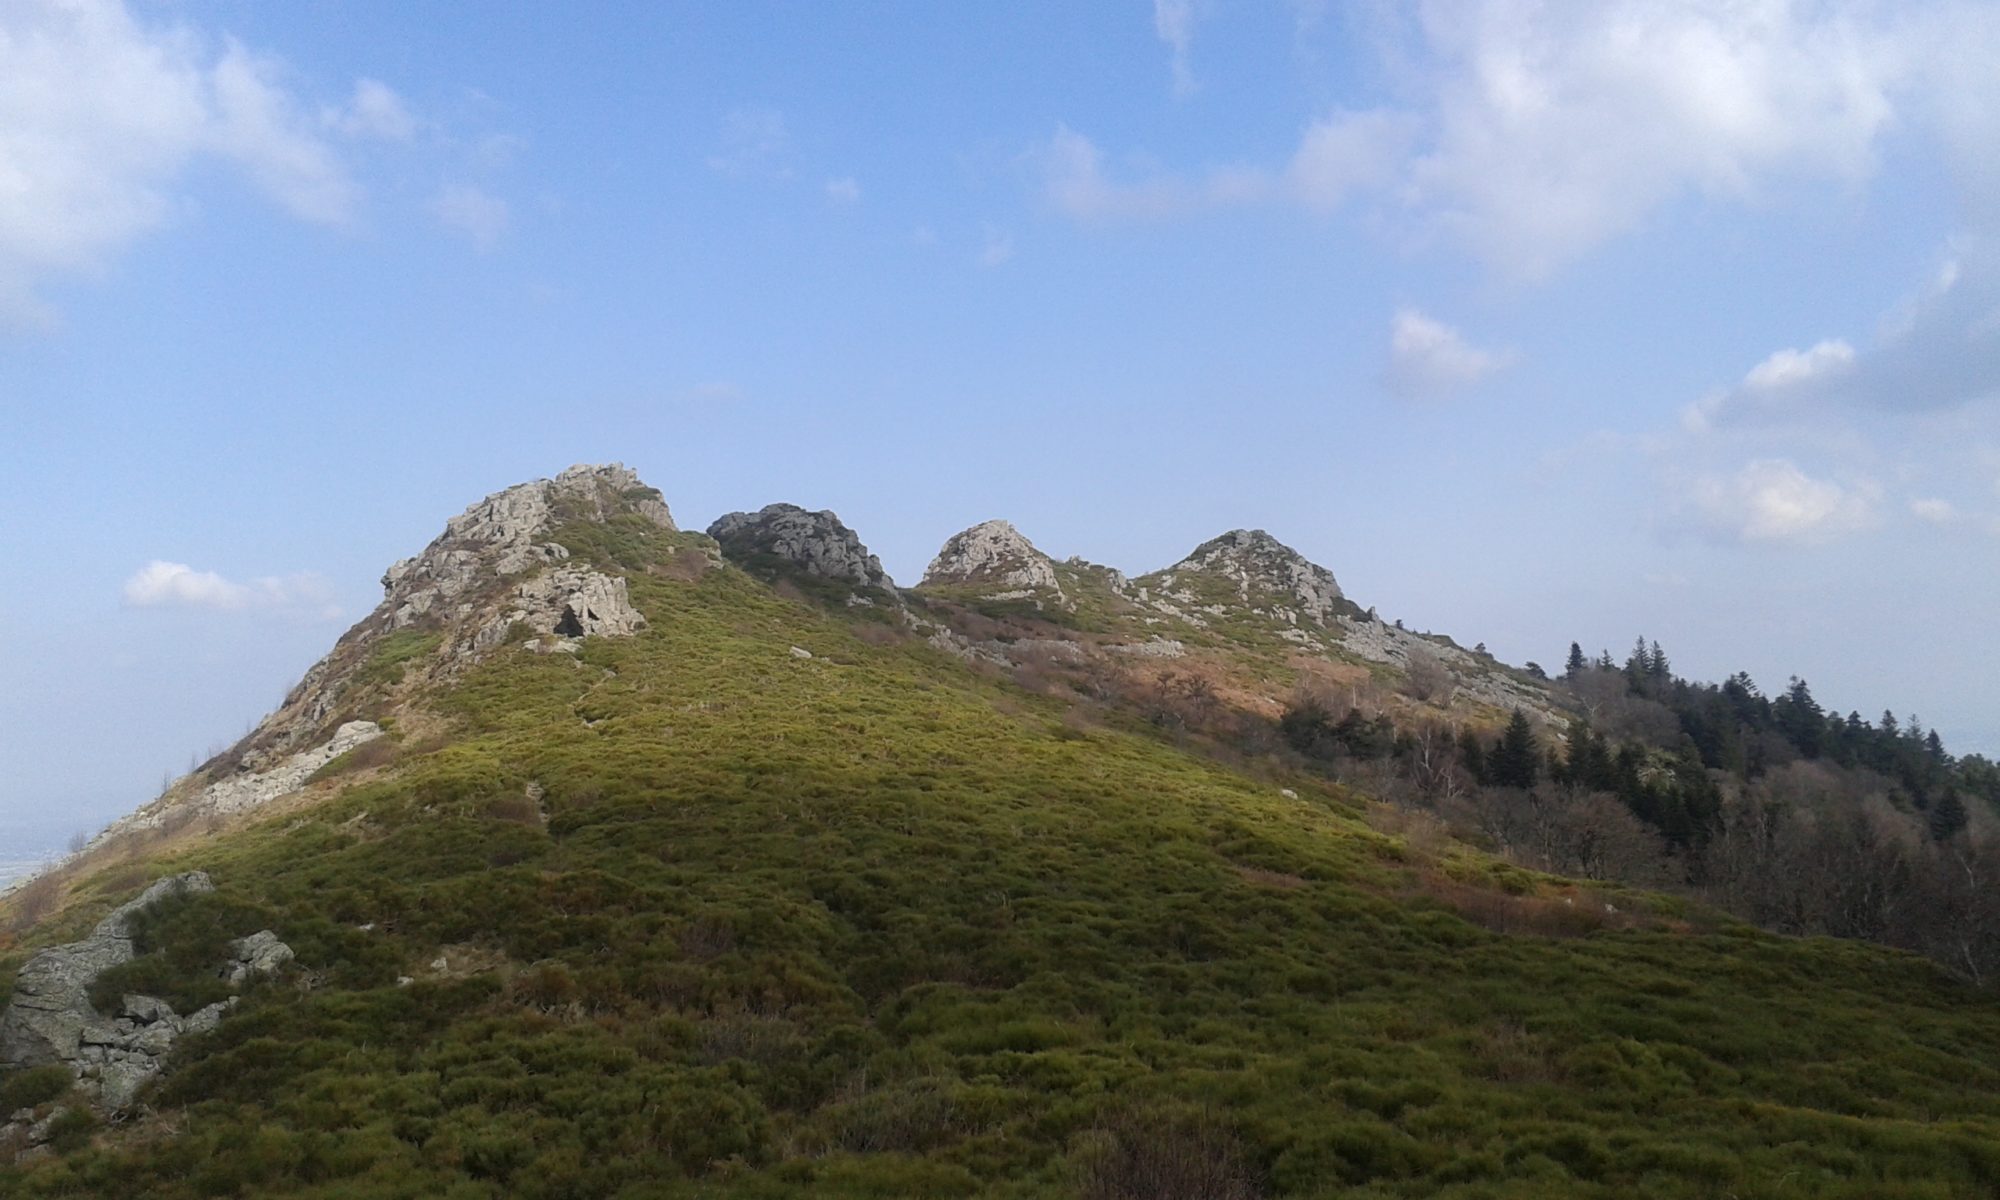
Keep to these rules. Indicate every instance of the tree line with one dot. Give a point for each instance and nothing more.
(1774, 809)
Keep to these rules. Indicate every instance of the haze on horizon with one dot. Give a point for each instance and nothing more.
(1532, 323)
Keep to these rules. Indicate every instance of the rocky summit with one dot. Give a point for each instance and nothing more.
(787, 538)
(995, 557)
(610, 859)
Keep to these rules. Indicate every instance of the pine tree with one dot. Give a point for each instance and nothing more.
(1948, 815)
(1800, 718)
(1473, 755)
(1577, 663)
(1656, 663)
(1516, 760)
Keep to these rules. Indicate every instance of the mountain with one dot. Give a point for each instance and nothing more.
(606, 858)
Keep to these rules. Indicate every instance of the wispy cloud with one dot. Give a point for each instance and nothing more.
(1530, 133)
(1075, 181)
(754, 144)
(998, 247)
(374, 111)
(473, 214)
(843, 190)
(1173, 22)
(1934, 510)
(100, 114)
(161, 584)
(1430, 359)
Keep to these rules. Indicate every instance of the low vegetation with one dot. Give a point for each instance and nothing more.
(688, 915)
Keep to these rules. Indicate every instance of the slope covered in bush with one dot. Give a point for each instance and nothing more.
(689, 914)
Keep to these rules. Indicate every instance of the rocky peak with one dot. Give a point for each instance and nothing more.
(995, 555)
(815, 543)
(505, 534)
(495, 569)
(1265, 573)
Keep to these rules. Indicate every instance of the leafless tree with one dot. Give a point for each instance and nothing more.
(1426, 678)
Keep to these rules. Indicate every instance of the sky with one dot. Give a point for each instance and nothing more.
(1533, 322)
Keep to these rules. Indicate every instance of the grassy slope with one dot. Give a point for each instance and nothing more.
(867, 925)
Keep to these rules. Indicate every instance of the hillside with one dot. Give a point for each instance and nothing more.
(620, 860)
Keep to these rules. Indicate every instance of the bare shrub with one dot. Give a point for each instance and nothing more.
(1427, 679)
(686, 565)
(515, 810)
(707, 937)
(37, 898)
(1535, 916)
(1139, 1155)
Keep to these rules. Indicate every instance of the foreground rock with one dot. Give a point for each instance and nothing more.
(812, 543)
(50, 1020)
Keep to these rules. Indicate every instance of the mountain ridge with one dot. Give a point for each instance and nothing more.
(767, 892)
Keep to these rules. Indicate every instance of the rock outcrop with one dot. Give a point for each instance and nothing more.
(245, 789)
(506, 534)
(813, 543)
(495, 567)
(1266, 576)
(51, 1021)
(995, 558)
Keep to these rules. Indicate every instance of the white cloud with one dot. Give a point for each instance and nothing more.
(1075, 181)
(1794, 368)
(161, 584)
(376, 111)
(1531, 133)
(468, 211)
(1428, 358)
(1347, 152)
(1937, 512)
(843, 191)
(1936, 349)
(1771, 500)
(755, 145)
(99, 117)
(1173, 21)
(998, 249)
(258, 124)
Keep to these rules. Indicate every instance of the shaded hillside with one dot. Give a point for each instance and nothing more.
(769, 893)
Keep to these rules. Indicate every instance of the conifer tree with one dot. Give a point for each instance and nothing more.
(1516, 759)
(1948, 815)
(1577, 663)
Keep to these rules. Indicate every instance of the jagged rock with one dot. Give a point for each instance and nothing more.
(259, 954)
(1265, 573)
(566, 602)
(816, 543)
(51, 1019)
(996, 557)
(503, 535)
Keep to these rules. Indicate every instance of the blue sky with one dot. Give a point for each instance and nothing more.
(1533, 323)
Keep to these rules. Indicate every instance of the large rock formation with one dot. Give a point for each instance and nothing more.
(493, 569)
(51, 1021)
(1265, 576)
(994, 558)
(790, 537)
(505, 535)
